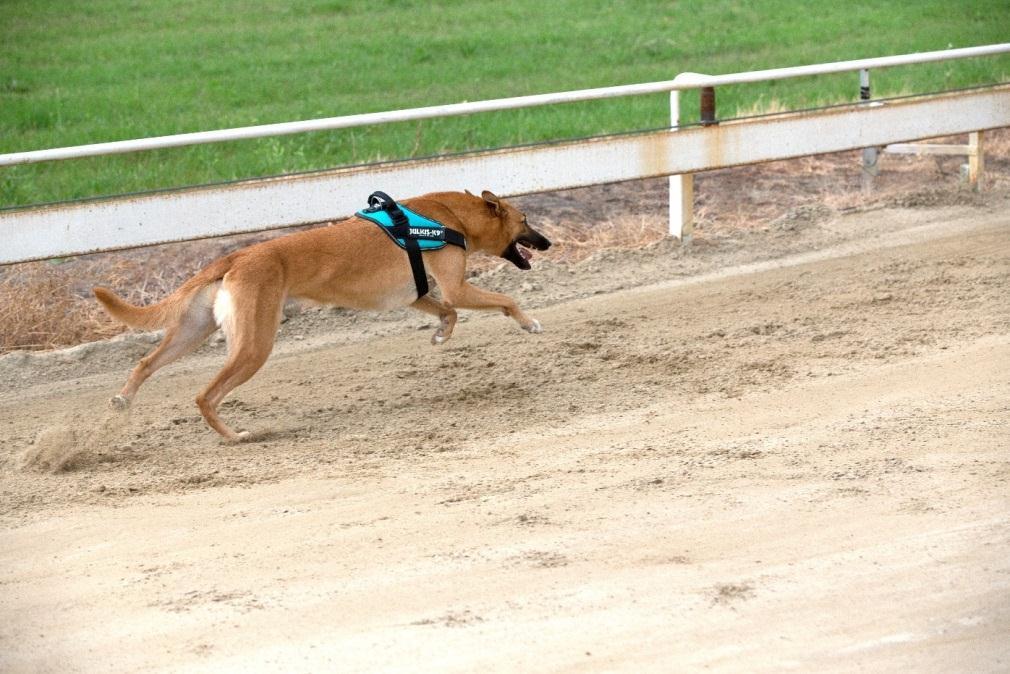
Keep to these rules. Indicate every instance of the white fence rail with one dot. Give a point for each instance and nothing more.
(121, 222)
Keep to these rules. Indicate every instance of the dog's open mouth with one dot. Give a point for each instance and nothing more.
(523, 250)
(519, 251)
(519, 255)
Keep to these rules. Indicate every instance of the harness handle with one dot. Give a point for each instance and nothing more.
(383, 201)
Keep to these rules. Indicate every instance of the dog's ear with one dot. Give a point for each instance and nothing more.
(468, 192)
(493, 202)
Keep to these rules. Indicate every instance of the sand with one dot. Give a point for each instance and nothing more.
(780, 450)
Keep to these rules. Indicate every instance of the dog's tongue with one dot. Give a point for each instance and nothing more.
(525, 254)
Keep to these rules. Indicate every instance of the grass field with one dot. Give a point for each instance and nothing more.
(99, 70)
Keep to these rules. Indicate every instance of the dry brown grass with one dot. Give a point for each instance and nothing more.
(572, 243)
(40, 309)
(46, 305)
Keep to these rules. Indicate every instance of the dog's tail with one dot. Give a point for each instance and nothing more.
(168, 310)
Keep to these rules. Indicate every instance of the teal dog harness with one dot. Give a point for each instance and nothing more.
(411, 231)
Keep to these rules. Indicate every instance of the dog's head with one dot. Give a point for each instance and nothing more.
(510, 235)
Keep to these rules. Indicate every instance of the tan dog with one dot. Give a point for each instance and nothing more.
(351, 264)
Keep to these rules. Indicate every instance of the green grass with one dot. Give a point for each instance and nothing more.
(85, 71)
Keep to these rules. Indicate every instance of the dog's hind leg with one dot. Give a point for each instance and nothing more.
(249, 314)
(446, 315)
(192, 328)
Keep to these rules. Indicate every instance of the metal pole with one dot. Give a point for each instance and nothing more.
(870, 154)
(681, 188)
(708, 106)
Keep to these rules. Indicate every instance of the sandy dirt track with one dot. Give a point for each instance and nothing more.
(798, 463)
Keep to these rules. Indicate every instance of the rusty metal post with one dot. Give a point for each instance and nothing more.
(871, 156)
(708, 106)
(681, 188)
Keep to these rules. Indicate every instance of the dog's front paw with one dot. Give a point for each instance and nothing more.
(119, 402)
(533, 327)
(438, 338)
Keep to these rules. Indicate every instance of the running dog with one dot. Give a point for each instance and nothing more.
(352, 263)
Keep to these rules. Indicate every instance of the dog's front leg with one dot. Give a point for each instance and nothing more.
(446, 315)
(466, 296)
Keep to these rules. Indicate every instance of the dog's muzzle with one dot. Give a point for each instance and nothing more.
(518, 252)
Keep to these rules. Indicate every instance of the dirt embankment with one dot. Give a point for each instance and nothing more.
(755, 463)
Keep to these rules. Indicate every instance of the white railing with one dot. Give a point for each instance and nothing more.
(104, 224)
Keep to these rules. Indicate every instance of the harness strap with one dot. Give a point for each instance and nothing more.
(402, 224)
(417, 267)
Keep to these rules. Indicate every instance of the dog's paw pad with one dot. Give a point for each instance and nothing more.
(534, 327)
(119, 402)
